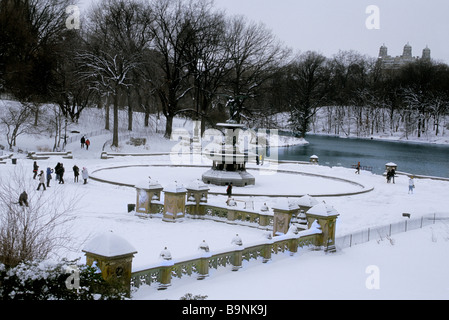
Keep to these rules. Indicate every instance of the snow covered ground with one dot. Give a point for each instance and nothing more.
(411, 266)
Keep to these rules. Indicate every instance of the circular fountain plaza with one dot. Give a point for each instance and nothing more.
(275, 183)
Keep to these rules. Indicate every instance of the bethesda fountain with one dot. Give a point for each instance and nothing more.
(229, 161)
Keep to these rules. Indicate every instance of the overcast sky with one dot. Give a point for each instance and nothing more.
(328, 26)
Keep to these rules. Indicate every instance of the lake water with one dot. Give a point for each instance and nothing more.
(419, 159)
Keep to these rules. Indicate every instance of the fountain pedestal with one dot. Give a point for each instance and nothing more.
(229, 163)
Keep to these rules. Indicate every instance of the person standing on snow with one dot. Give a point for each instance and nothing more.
(411, 185)
(49, 172)
(41, 180)
(35, 169)
(61, 171)
(23, 199)
(87, 144)
(85, 174)
(57, 170)
(358, 168)
(83, 141)
(76, 173)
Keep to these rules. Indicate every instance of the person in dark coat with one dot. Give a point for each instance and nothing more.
(393, 173)
(358, 168)
(76, 173)
(61, 171)
(35, 169)
(23, 199)
(83, 141)
(57, 170)
(229, 190)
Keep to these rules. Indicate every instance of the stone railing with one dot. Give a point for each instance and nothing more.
(163, 273)
(234, 215)
(46, 155)
(231, 215)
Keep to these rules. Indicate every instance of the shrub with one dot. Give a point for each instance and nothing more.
(46, 280)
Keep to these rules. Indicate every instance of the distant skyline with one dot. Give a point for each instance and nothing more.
(327, 26)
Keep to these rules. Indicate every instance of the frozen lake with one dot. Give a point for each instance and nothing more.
(415, 158)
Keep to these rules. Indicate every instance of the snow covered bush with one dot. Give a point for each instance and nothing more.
(190, 296)
(48, 280)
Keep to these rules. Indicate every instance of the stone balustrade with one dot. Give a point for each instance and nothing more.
(162, 274)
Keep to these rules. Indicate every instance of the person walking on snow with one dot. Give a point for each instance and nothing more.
(49, 172)
(85, 175)
(358, 168)
(61, 171)
(411, 185)
(57, 170)
(41, 180)
(229, 190)
(83, 141)
(35, 169)
(87, 144)
(23, 199)
(76, 173)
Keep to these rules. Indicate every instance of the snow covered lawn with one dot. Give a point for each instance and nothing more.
(412, 266)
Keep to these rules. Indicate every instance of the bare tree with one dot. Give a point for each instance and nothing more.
(17, 121)
(307, 81)
(172, 32)
(109, 75)
(254, 55)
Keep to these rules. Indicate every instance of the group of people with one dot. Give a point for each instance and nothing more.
(390, 175)
(85, 142)
(59, 171)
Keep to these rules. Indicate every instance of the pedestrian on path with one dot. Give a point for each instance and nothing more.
(41, 180)
(411, 185)
(60, 172)
(76, 173)
(35, 169)
(87, 144)
(85, 174)
(23, 199)
(49, 177)
(83, 141)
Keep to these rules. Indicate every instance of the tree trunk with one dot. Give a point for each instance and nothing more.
(107, 108)
(130, 111)
(115, 129)
(168, 126)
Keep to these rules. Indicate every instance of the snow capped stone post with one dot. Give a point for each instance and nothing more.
(166, 268)
(148, 197)
(203, 265)
(197, 192)
(283, 213)
(264, 217)
(326, 216)
(314, 159)
(174, 202)
(237, 257)
(113, 256)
